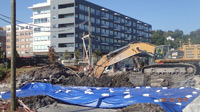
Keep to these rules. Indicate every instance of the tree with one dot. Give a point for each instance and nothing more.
(66, 55)
(52, 55)
(96, 54)
(77, 55)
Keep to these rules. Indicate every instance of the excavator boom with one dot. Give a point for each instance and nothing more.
(131, 50)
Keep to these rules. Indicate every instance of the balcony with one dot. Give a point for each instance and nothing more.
(104, 35)
(104, 43)
(127, 38)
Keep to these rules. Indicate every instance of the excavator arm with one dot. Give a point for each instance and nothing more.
(130, 50)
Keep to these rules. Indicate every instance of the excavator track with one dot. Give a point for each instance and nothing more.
(170, 68)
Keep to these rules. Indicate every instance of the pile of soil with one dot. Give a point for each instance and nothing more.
(142, 107)
(57, 74)
(35, 102)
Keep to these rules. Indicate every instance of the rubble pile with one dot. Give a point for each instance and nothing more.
(57, 74)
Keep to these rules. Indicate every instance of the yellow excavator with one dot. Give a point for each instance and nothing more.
(185, 60)
(125, 52)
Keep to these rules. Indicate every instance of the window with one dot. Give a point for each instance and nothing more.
(8, 29)
(66, 25)
(41, 20)
(81, 7)
(86, 8)
(21, 33)
(54, 17)
(8, 46)
(66, 45)
(97, 12)
(8, 40)
(41, 11)
(81, 17)
(26, 33)
(98, 30)
(8, 34)
(17, 40)
(17, 46)
(36, 30)
(60, 16)
(54, 36)
(92, 11)
(41, 38)
(65, 35)
(41, 47)
(65, 6)
(92, 20)
(30, 39)
(111, 17)
(26, 45)
(97, 21)
(54, 26)
(22, 39)
(22, 46)
(54, 7)
(30, 33)
(26, 39)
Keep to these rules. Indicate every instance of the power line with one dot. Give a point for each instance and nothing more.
(77, 25)
(38, 25)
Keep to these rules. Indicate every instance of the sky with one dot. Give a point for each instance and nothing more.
(161, 14)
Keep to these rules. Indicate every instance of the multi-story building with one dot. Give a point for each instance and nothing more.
(69, 19)
(41, 35)
(24, 40)
(3, 39)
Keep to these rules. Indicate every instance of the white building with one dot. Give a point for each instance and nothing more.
(170, 38)
(41, 33)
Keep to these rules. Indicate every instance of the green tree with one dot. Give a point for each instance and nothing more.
(96, 54)
(158, 37)
(66, 55)
(77, 55)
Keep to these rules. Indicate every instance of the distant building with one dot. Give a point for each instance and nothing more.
(24, 40)
(66, 20)
(170, 38)
(3, 39)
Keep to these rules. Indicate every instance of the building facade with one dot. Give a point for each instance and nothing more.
(69, 19)
(41, 34)
(3, 39)
(24, 40)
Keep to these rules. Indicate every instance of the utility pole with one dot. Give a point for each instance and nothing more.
(89, 31)
(13, 55)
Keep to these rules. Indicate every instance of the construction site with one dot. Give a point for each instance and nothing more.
(155, 69)
(129, 75)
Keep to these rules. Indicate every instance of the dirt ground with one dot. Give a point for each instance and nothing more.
(59, 75)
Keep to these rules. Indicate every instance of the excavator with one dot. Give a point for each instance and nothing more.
(133, 49)
(185, 60)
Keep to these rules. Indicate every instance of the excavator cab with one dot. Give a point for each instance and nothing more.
(161, 51)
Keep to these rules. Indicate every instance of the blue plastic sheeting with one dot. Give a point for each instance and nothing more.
(112, 97)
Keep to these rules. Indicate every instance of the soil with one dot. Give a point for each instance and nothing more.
(142, 107)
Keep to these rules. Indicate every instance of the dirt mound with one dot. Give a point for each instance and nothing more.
(35, 102)
(57, 74)
(142, 107)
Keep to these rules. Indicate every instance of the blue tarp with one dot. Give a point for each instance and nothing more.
(170, 99)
